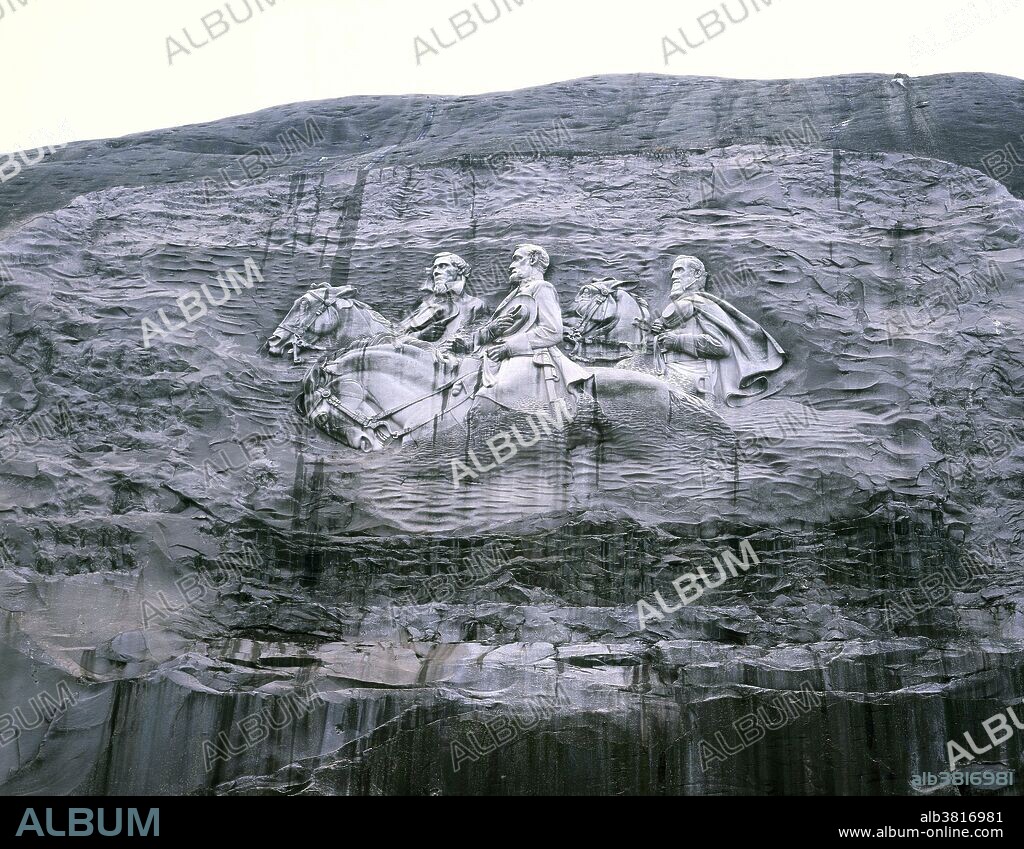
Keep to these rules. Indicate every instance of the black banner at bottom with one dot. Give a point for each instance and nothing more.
(176, 819)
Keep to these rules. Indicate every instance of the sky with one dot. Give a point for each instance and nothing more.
(86, 69)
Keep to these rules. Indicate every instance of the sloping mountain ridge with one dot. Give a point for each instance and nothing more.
(889, 274)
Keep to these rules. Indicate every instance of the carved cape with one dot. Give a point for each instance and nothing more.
(745, 353)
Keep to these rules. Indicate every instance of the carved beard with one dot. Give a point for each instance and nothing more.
(516, 279)
(453, 288)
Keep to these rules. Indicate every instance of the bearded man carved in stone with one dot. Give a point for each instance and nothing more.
(447, 310)
(523, 366)
(709, 344)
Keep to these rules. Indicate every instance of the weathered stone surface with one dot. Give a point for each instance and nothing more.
(888, 271)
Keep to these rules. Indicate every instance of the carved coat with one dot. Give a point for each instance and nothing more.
(537, 373)
(439, 318)
(712, 334)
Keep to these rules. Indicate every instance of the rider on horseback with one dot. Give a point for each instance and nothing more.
(522, 365)
(447, 309)
(710, 343)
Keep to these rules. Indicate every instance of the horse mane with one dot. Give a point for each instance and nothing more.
(316, 374)
(642, 302)
(628, 287)
(373, 313)
(383, 343)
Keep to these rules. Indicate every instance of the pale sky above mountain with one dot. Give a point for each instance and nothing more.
(77, 69)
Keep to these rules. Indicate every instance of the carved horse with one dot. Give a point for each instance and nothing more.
(612, 322)
(372, 396)
(323, 320)
(375, 396)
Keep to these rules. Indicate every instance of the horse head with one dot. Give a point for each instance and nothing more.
(341, 408)
(609, 311)
(324, 319)
(372, 396)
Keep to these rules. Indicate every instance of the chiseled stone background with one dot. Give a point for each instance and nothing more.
(850, 216)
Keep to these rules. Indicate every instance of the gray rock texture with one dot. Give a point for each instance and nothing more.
(187, 557)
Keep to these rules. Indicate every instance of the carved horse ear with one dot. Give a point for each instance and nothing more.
(332, 291)
(336, 292)
(602, 286)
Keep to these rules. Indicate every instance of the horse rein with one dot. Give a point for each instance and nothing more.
(375, 421)
(297, 340)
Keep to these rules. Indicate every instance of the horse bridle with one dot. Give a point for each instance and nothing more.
(588, 324)
(378, 419)
(297, 340)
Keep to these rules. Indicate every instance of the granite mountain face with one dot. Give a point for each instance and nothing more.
(187, 555)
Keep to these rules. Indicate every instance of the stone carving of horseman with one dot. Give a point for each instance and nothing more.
(329, 319)
(447, 310)
(710, 346)
(523, 367)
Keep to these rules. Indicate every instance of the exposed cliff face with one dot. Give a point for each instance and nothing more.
(958, 118)
(837, 213)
